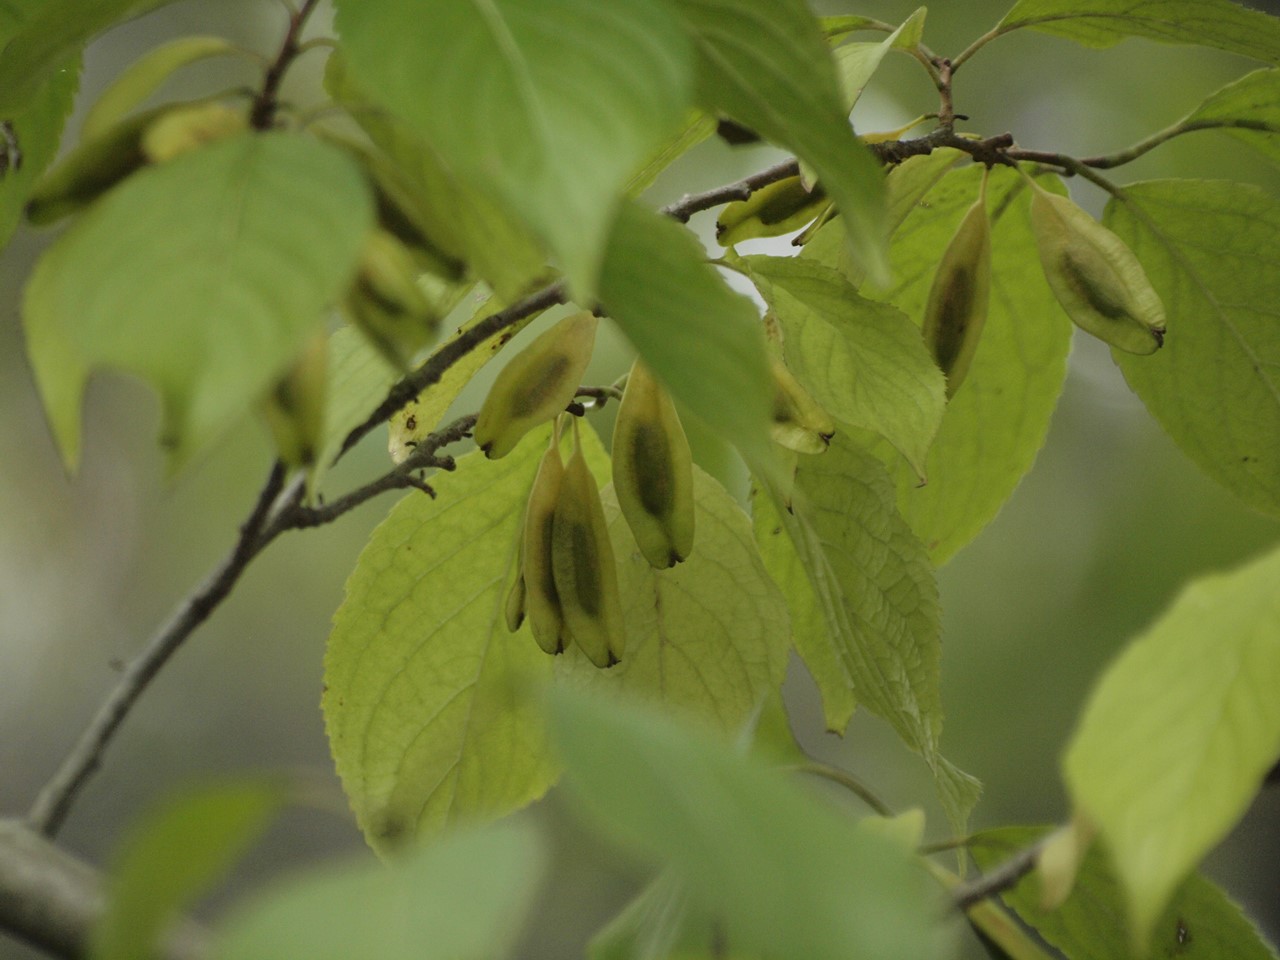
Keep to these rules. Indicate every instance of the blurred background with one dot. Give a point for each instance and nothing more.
(1094, 545)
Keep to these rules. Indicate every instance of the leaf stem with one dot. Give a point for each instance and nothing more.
(977, 45)
(848, 781)
(262, 114)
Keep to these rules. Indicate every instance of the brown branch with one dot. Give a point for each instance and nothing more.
(998, 880)
(262, 115)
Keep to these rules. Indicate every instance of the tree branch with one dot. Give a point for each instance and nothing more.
(262, 114)
(998, 880)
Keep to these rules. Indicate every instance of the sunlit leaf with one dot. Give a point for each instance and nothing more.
(465, 895)
(856, 63)
(549, 105)
(1248, 108)
(1206, 247)
(203, 276)
(1103, 23)
(1180, 731)
(791, 879)
(1200, 922)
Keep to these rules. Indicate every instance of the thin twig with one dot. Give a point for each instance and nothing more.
(998, 880)
(54, 801)
(262, 115)
(692, 203)
(846, 780)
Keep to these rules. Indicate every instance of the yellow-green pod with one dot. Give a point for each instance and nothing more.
(586, 575)
(189, 127)
(771, 211)
(957, 307)
(799, 422)
(541, 600)
(653, 470)
(536, 384)
(387, 304)
(295, 407)
(1095, 276)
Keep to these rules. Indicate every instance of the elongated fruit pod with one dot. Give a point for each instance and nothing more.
(957, 308)
(513, 609)
(653, 470)
(586, 575)
(1095, 276)
(799, 422)
(189, 127)
(541, 599)
(295, 407)
(771, 211)
(536, 385)
(385, 301)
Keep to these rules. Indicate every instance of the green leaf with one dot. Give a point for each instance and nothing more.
(203, 276)
(427, 693)
(863, 361)
(708, 637)
(1205, 246)
(703, 340)
(878, 595)
(777, 866)
(766, 65)
(1180, 731)
(551, 105)
(175, 853)
(464, 223)
(1104, 23)
(38, 125)
(144, 77)
(856, 63)
(463, 896)
(1248, 109)
(39, 37)
(1200, 922)
(809, 629)
(996, 423)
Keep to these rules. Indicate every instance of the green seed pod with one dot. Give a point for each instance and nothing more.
(653, 470)
(586, 576)
(295, 407)
(387, 304)
(799, 422)
(1095, 276)
(189, 127)
(541, 600)
(771, 211)
(536, 385)
(957, 306)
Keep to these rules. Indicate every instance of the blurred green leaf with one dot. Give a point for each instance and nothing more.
(1104, 23)
(144, 77)
(1206, 246)
(203, 276)
(708, 637)
(427, 699)
(856, 63)
(786, 874)
(1180, 731)
(176, 852)
(1200, 922)
(38, 125)
(878, 595)
(766, 65)
(703, 340)
(996, 423)
(1248, 108)
(465, 895)
(863, 361)
(550, 105)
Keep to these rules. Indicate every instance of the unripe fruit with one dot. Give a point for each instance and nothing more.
(653, 470)
(586, 576)
(536, 385)
(385, 301)
(541, 600)
(295, 407)
(1095, 276)
(799, 422)
(189, 127)
(771, 211)
(957, 306)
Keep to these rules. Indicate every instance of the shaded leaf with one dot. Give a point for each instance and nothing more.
(463, 896)
(203, 276)
(863, 361)
(703, 340)
(549, 105)
(766, 65)
(1200, 922)
(708, 637)
(38, 125)
(176, 853)
(783, 880)
(1207, 246)
(1180, 731)
(1104, 23)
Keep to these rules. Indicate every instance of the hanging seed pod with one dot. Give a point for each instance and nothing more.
(771, 211)
(536, 385)
(1095, 276)
(799, 422)
(294, 409)
(957, 306)
(653, 470)
(189, 127)
(541, 600)
(586, 576)
(386, 303)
